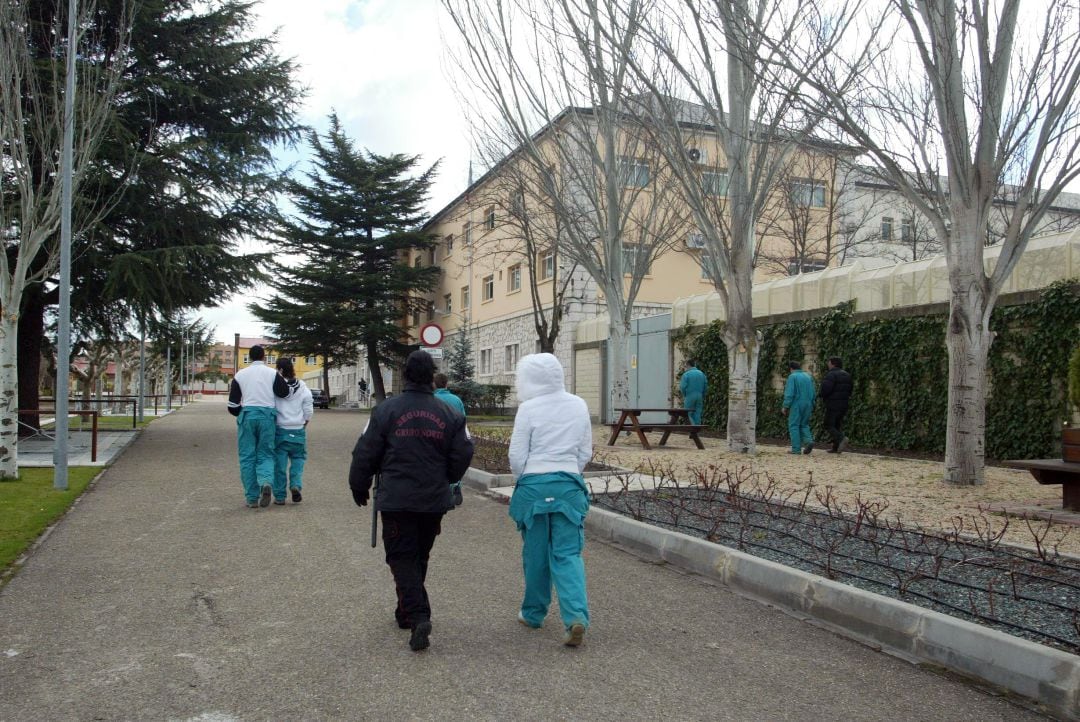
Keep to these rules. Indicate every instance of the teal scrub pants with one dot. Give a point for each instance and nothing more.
(290, 446)
(694, 404)
(255, 440)
(550, 510)
(798, 424)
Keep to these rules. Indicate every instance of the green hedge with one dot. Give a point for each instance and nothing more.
(900, 371)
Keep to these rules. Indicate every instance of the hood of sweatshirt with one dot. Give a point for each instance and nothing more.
(538, 374)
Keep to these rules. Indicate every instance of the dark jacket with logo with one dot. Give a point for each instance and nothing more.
(836, 389)
(420, 445)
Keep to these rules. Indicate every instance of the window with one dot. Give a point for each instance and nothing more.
(418, 262)
(449, 245)
(489, 218)
(905, 230)
(247, 358)
(487, 288)
(416, 317)
(714, 184)
(485, 361)
(513, 278)
(431, 256)
(886, 228)
(547, 265)
(808, 265)
(430, 311)
(270, 358)
(634, 253)
(448, 302)
(311, 360)
(808, 193)
(632, 172)
(510, 357)
(465, 298)
(467, 233)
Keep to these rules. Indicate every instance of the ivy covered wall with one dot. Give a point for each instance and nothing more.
(900, 371)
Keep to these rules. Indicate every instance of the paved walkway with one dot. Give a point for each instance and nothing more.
(161, 597)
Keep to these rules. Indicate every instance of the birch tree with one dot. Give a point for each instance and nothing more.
(960, 104)
(746, 104)
(31, 134)
(556, 94)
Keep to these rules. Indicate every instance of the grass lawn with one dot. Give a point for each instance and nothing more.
(105, 423)
(29, 504)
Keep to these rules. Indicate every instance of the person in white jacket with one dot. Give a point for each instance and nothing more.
(293, 413)
(550, 446)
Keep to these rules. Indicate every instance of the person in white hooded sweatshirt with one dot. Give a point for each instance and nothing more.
(550, 446)
(290, 447)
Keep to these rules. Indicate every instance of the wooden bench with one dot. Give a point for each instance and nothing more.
(678, 422)
(1054, 471)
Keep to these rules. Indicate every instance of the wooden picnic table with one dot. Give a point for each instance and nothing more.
(678, 422)
(1054, 471)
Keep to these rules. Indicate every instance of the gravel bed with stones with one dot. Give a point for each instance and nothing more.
(1028, 594)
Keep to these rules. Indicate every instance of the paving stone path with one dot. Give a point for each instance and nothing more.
(160, 596)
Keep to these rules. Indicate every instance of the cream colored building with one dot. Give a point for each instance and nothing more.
(487, 280)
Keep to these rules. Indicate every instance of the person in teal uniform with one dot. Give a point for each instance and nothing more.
(692, 386)
(252, 395)
(549, 448)
(798, 402)
(446, 395)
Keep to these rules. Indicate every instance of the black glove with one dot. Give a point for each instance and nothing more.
(360, 497)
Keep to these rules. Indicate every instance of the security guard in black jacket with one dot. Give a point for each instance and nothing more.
(835, 392)
(419, 446)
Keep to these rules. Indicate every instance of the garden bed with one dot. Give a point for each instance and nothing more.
(968, 573)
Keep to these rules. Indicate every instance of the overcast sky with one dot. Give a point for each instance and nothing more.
(378, 63)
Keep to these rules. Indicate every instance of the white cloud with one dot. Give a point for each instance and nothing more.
(378, 63)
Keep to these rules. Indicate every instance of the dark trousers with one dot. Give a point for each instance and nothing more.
(834, 422)
(407, 538)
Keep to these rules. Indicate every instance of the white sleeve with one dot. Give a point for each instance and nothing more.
(519, 444)
(585, 444)
(307, 406)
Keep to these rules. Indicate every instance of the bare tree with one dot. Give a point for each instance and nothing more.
(748, 105)
(556, 97)
(990, 106)
(529, 231)
(31, 133)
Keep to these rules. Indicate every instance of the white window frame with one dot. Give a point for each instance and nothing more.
(487, 288)
(489, 218)
(466, 297)
(449, 245)
(513, 278)
(546, 264)
(630, 253)
(311, 360)
(448, 299)
(511, 354)
(887, 228)
(633, 172)
(715, 183)
(467, 233)
(484, 364)
(808, 193)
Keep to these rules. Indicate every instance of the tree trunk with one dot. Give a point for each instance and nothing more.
(743, 349)
(619, 346)
(9, 398)
(968, 340)
(377, 388)
(31, 336)
(326, 379)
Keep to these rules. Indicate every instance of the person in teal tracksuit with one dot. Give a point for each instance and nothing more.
(550, 446)
(692, 386)
(290, 442)
(251, 401)
(446, 395)
(798, 403)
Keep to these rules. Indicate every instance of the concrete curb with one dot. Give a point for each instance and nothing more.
(1047, 675)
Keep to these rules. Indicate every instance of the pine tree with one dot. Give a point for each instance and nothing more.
(459, 357)
(358, 219)
(184, 171)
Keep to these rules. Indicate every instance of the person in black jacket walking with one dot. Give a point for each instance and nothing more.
(420, 446)
(835, 392)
